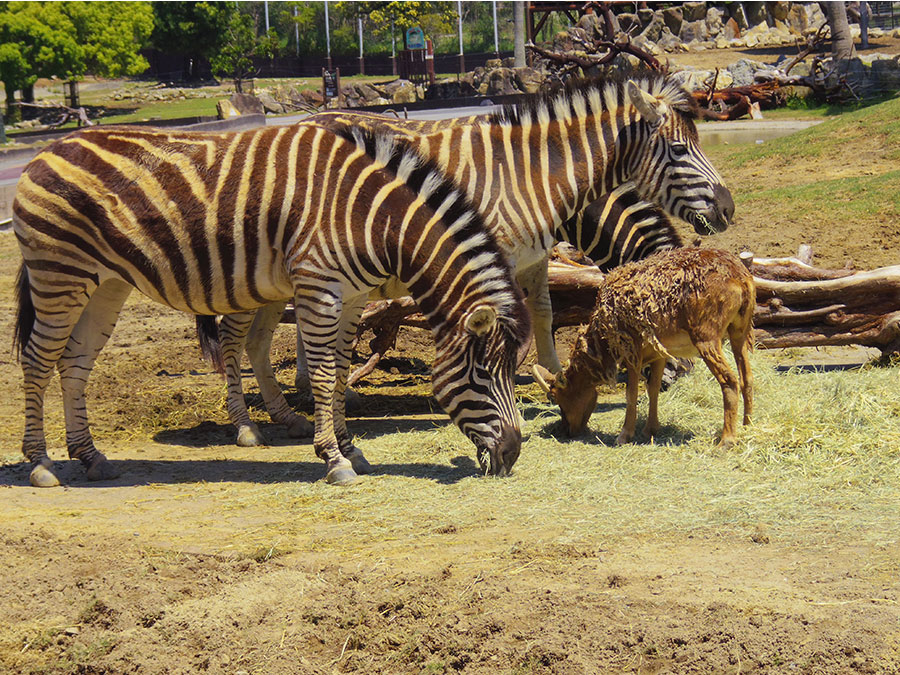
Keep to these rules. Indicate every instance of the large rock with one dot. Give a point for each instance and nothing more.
(694, 11)
(628, 21)
(529, 80)
(698, 80)
(670, 42)
(673, 17)
(501, 81)
(756, 12)
(400, 91)
(715, 21)
(226, 111)
(247, 104)
(739, 15)
(655, 28)
(269, 104)
(744, 70)
(694, 30)
(779, 10)
(731, 31)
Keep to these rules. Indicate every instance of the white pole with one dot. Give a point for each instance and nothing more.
(327, 35)
(266, 5)
(359, 19)
(296, 31)
(459, 12)
(496, 37)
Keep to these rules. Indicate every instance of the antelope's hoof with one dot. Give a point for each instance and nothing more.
(342, 475)
(624, 439)
(360, 463)
(725, 444)
(352, 401)
(43, 476)
(102, 469)
(250, 437)
(300, 427)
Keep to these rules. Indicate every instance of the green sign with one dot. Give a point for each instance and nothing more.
(415, 38)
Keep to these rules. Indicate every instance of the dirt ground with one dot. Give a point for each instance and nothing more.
(206, 557)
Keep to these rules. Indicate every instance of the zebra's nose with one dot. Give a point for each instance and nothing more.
(724, 204)
(506, 451)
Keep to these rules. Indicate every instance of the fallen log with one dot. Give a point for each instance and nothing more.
(798, 305)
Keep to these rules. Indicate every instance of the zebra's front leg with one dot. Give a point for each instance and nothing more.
(534, 282)
(352, 400)
(88, 338)
(259, 347)
(346, 335)
(320, 303)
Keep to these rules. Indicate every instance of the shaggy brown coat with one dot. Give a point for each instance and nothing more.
(678, 303)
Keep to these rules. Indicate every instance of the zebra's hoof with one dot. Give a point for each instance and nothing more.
(42, 476)
(102, 469)
(300, 427)
(342, 475)
(250, 437)
(360, 463)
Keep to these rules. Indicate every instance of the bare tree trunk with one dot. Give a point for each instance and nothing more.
(841, 40)
(519, 32)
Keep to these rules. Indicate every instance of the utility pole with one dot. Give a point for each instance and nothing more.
(296, 31)
(266, 5)
(462, 58)
(327, 39)
(496, 35)
(362, 63)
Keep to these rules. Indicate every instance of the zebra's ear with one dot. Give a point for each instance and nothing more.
(480, 320)
(650, 107)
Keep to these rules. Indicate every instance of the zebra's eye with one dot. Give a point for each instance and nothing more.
(679, 149)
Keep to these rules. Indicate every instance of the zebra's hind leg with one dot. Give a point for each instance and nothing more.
(259, 346)
(320, 303)
(233, 330)
(346, 335)
(85, 343)
(45, 327)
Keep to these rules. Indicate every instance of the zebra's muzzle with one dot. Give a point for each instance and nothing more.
(503, 454)
(717, 217)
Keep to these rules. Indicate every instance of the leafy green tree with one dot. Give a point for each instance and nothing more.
(238, 47)
(194, 29)
(69, 40)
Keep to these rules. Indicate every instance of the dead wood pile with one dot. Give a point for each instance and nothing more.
(798, 305)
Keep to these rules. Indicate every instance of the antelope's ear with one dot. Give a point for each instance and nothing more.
(480, 320)
(651, 108)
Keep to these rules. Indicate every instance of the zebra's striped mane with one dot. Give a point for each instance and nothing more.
(578, 99)
(440, 193)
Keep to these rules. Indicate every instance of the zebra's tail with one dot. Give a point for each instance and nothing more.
(210, 347)
(25, 314)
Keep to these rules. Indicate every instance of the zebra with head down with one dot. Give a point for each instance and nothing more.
(222, 223)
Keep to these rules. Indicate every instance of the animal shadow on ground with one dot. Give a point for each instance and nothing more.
(171, 472)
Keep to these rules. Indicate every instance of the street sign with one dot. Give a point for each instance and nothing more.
(415, 38)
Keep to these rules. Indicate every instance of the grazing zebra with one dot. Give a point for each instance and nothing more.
(533, 170)
(220, 223)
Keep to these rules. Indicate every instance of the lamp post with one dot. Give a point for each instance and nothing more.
(496, 35)
(327, 39)
(362, 63)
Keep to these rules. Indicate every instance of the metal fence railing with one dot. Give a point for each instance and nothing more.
(884, 15)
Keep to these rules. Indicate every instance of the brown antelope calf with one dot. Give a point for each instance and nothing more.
(676, 303)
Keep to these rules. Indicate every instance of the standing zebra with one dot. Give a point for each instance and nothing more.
(220, 223)
(532, 171)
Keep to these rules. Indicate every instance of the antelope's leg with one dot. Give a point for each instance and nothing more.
(657, 368)
(631, 397)
(712, 355)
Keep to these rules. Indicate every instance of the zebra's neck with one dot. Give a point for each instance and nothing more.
(527, 174)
